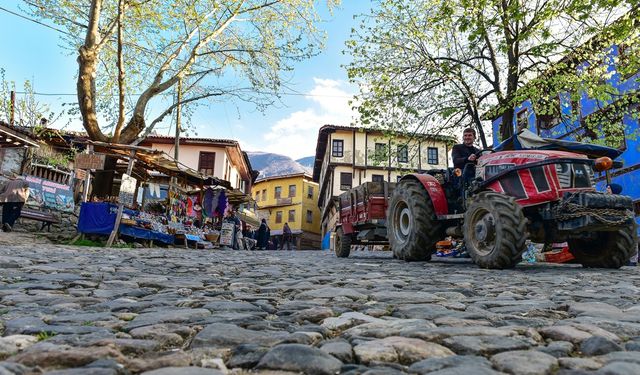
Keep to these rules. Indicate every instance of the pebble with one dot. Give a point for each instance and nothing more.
(77, 310)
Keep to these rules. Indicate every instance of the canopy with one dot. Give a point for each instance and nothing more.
(527, 140)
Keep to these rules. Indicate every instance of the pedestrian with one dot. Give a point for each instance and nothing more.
(286, 237)
(13, 195)
(232, 218)
(262, 235)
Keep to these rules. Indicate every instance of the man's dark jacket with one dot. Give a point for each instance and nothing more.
(460, 153)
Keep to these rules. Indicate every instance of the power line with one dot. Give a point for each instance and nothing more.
(35, 21)
(151, 51)
(169, 94)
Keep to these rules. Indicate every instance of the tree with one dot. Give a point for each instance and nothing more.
(132, 52)
(27, 111)
(443, 64)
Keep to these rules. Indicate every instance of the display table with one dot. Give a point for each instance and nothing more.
(100, 217)
(146, 234)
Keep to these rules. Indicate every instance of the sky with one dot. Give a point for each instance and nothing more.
(34, 52)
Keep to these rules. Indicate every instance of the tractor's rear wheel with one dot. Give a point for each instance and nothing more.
(494, 230)
(608, 249)
(413, 228)
(343, 243)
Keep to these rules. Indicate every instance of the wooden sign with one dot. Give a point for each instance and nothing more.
(226, 234)
(90, 161)
(127, 190)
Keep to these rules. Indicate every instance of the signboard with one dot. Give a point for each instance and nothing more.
(127, 190)
(226, 234)
(89, 161)
(49, 194)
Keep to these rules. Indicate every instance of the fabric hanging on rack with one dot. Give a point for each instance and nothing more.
(191, 201)
(222, 204)
(207, 205)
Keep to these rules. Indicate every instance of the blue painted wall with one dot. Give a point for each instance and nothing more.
(570, 128)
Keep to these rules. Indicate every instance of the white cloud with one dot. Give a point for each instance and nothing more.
(296, 135)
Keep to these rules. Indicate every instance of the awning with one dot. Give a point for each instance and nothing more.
(158, 161)
(10, 137)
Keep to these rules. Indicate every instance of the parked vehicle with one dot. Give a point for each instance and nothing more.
(526, 188)
(362, 216)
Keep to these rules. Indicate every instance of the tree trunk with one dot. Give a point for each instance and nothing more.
(86, 87)
(506, 128)
(87, 66)
(121, 88)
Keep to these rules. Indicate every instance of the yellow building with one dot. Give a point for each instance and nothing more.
(290, 199)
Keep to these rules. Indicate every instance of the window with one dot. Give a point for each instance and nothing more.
(403, 154)
(258, 196)
(522, 119)
(206, 163)
(292, 216)
(380, 153)
(345, 181)
(337, 148)
(309, 216)
(310, 192)
(292, 190)
(432, 155)
(277, 192)
(264, 194)
(278, 217)
(377, 178)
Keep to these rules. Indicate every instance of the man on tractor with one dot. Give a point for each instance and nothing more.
(465, 152)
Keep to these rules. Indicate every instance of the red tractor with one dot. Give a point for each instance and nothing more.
(544, 193)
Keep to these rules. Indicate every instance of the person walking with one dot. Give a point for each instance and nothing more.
(286, 237)
(262, 238)
(13, 195)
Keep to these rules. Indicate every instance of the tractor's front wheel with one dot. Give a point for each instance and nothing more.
(608, 249)
(413, 229)
(494, 230)
(343, 243)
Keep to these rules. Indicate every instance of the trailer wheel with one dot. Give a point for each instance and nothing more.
(343, 244)
(608, 250)
(494, 230)
(413, 228)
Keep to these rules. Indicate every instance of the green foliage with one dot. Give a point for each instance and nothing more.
(224, 50)
(441, 65)
(45, 335)
(28, 111)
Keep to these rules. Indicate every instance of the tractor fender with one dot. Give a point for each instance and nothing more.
(434, 189)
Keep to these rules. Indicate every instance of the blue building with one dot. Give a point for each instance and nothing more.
(569, 122)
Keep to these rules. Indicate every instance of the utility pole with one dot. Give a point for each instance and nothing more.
(12, 117)
(176, 145)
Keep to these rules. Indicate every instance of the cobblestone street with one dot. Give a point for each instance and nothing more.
(74, 310)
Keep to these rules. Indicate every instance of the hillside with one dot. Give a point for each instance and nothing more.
(270, 164)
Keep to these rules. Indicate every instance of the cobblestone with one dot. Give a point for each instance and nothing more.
(79, 310)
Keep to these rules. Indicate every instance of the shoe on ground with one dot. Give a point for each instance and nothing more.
(6, 227)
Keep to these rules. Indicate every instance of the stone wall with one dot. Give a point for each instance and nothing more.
(11, 161)
(60, 232)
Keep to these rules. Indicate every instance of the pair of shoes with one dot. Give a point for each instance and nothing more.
(6, 227)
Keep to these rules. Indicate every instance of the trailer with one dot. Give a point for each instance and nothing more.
(363, 216)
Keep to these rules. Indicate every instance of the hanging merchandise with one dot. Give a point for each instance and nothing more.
(191, 201)
(207, 206)
(222, 204)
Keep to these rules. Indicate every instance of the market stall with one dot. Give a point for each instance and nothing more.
(179, 205)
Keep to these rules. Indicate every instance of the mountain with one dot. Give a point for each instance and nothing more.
(270, 164)
(307, 163)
